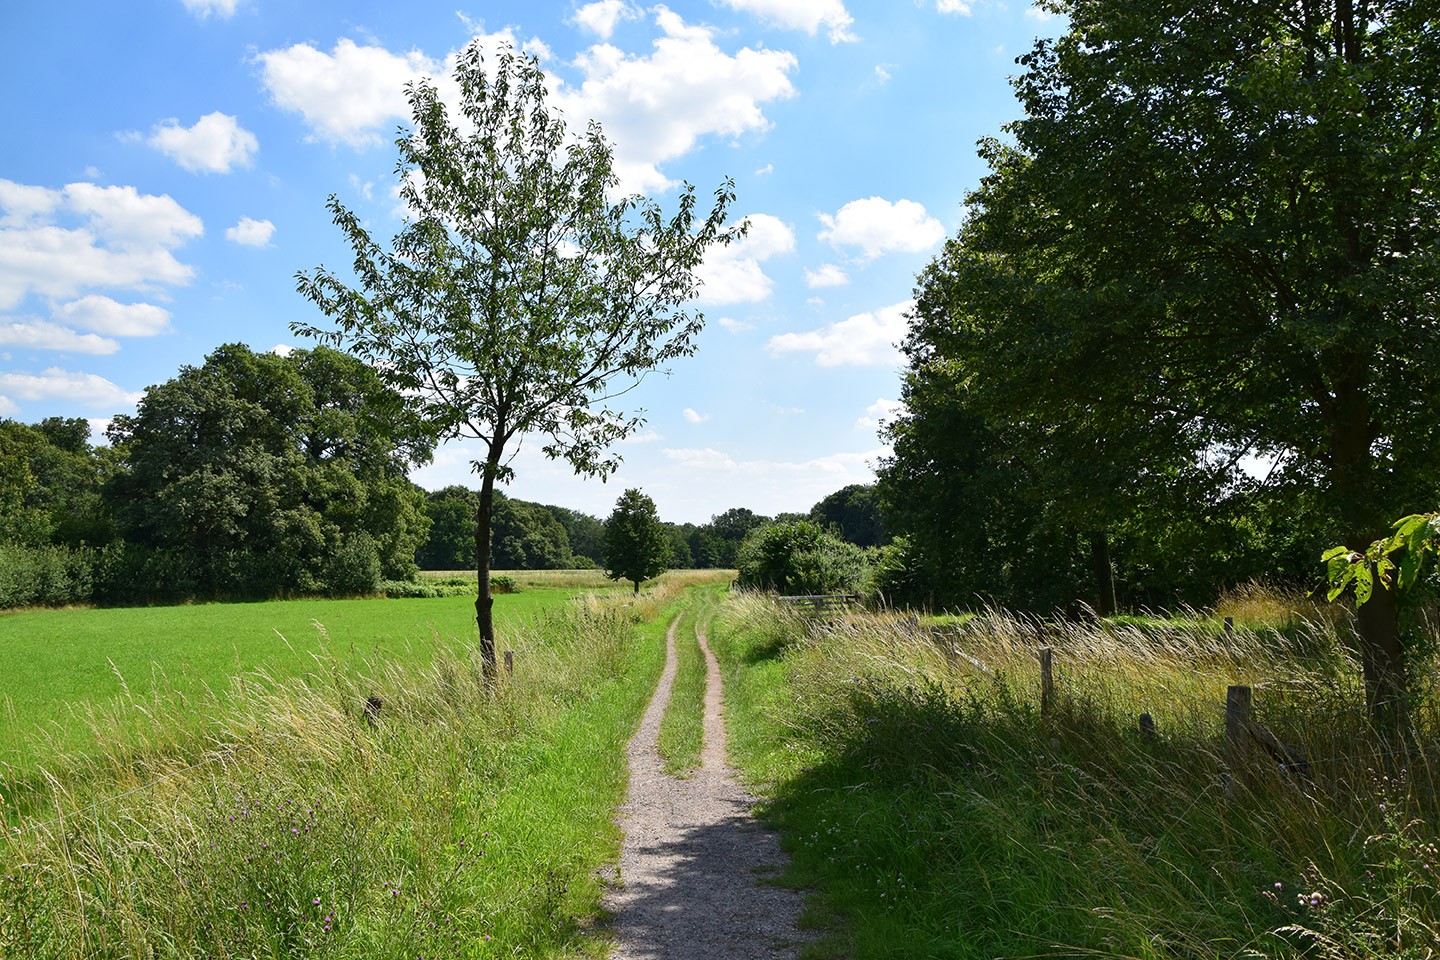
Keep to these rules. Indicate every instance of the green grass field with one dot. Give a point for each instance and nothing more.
(55, 661)
(463, 820)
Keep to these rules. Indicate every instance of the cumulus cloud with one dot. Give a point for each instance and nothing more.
(732, 274)
(658, 107)
(879, 412)
(251, 233)
(826, 275)
(203, 8)
(735, 326)
(601, 17)
(58, 243)
(215, 144)
(877, 226)
(653, 108)
(43, 335)
(7, 406)
(806, 15)
(695, 417)
(961, 7)
(54, 383)
(864, 340)
(104, 315)
(348, 95)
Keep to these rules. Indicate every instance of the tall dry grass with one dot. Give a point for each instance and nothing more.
(944, 815)
(367, 809)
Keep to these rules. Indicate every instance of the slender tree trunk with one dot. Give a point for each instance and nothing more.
(484, 602)
(1104, 573)
(637, 587)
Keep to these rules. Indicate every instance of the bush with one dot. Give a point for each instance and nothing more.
(503, 584)
(45, 575)
(354, 568)
(801, 558)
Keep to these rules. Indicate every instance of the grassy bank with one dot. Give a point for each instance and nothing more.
(444, 822)
(936, 813)
(57, 666)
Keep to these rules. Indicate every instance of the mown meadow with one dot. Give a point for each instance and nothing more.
(935, 812)
(63, 671)
(289, 819)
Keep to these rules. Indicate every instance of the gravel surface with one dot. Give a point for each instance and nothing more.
(694, 864)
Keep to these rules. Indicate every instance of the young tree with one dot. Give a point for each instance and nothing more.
(519, 298)
(636, 545)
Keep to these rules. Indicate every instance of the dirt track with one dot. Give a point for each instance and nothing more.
(694, 863)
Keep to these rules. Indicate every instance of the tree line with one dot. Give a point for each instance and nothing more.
(255, 475)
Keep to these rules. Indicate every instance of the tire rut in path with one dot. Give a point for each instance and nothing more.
(694, 860)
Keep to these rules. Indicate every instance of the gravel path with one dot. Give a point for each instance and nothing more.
(694, 860)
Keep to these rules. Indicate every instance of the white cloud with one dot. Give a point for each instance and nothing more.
(126, 218)
(251, 233)
(962, 7)
(882, 72)
(735, 326)
(216, 143)
(104, 315)
(656, 108)
(772, 485)
(54, 383)
(732, 274)
(203, 8)
(789, 411)
(601, 17)
(765, 170)
(123, 239)
(283, 349)
(1042, 14)
(877, 226)
(866, 339)
(7, 406)
(348, 95)
(647, 436)
(881, 411)
(806, 15)
(827, 275)
(694, 417)
(43, 335)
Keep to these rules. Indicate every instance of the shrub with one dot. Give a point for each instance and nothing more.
(799, 557)
(45, 575)
(354, 568)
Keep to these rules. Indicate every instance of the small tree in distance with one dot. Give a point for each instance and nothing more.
(518, 298)
(635, 543)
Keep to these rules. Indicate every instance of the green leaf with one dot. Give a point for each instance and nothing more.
(1364, 584)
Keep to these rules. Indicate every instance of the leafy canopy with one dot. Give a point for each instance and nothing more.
(517, 291)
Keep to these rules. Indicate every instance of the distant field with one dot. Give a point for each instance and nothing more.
(587, 579)
(54, 660)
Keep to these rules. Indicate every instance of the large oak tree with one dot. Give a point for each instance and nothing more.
(1214, 232)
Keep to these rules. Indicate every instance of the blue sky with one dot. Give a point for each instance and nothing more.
(166, 165)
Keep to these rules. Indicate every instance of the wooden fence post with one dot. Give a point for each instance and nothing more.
(1047, 680)
(509, 662)
(1237, 731)
(1229, 628)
